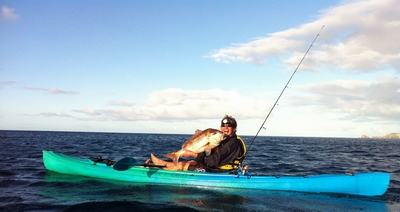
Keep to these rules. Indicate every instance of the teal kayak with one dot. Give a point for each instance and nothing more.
(366, 184)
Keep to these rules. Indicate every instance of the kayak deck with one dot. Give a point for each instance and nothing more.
(367, 184)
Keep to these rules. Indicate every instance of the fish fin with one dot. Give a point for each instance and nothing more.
(170, 155)
(207, 150)
(174, 156)
(175, 161)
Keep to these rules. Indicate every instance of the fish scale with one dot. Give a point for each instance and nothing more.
(201, 141)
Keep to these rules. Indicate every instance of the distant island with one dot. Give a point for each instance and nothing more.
(391, 136)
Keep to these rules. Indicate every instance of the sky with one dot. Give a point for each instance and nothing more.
(177, 66)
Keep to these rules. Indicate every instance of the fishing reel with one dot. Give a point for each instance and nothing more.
(244, 169)
(241, 170)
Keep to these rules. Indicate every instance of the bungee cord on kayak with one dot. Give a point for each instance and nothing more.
(276, 102)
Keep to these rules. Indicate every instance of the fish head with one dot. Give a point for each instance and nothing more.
(214, 136)
(206, 139)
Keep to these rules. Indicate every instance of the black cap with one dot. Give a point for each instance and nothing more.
(228, 121)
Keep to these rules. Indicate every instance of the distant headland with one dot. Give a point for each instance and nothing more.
(391, 136)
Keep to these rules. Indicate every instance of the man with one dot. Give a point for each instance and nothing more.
(226, 156)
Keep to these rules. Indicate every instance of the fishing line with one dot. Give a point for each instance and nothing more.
(276, 102)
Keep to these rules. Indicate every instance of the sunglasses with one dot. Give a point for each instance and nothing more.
(227, 123)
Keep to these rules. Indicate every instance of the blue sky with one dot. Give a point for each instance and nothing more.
(178, 66)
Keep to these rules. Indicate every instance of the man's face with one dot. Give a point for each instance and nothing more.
(228, 131)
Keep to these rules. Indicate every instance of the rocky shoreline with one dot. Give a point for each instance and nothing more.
(388, 136)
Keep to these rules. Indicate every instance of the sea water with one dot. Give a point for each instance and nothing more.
(26, 185)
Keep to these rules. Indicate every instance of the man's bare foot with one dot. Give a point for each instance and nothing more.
(147, 163)
(157, 161)
(168, 165)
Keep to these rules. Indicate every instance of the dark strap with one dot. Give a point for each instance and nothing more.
(106, 161)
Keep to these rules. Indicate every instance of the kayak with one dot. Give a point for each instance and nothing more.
(365, 184)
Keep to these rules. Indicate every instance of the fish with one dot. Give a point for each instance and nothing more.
(201, 141)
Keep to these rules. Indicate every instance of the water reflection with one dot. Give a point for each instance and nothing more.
(75, 190)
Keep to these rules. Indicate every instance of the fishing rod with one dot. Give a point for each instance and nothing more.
(276, 102)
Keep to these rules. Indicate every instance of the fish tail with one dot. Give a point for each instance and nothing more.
(174, 156)
(170, 155)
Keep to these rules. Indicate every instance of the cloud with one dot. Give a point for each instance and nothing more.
(88, 111)
(355, 100)
(360, 35)
(8, 14)
(51, 90)
(177, 104)
(7, 83)
(121, 103)
(341, 100)
(56, 115)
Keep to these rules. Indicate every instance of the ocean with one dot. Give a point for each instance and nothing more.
(26, 185)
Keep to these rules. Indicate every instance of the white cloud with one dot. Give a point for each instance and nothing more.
(48, 114)
(355, 100)
(337, 104)
(88, 111)
(120, 103)
(361, 35)
(177, 104)
(8, 14)
(349, 99)
(51, 90)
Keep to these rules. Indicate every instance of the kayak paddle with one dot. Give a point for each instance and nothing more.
(127, 163)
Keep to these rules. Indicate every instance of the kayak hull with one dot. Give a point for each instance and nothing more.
(366, 184)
